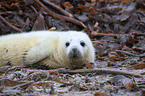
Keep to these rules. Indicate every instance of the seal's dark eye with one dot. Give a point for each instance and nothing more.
(67, 44)
(82, 43)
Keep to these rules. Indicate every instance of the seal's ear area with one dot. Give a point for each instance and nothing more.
(90, 54)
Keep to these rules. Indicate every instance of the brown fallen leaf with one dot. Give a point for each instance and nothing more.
(131, 86)
(2, 72)
(10, 83)
(41, 83)
(1, 88)
(23, 86)
(77, 87)
(113, 55)
(36, 76)
(138, 66)
(88, 64)
(64, 83)
(53, 72)
(125, 1)
(100, 94)
(127, 11)
(68, 6)
(130, 41)
(39, 23)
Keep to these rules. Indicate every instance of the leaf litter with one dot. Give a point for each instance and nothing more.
(117, 30)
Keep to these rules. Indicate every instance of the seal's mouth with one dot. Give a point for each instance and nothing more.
(74, 56)
(76, 63)
(75, 59)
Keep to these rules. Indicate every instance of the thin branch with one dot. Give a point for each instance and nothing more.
(10, 25)
(131, 54)
(58, 8)
(138, 33)
(99, 71)
(87, 63)
(34, 10)
(60, 16)
(102, 34)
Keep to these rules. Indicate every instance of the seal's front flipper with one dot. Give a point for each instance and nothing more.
(34, 55)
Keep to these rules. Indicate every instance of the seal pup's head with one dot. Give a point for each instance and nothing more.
(74, 47)
(75, 50)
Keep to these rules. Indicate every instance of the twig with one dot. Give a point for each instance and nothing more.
(137, 66)
(87, 63)
(60, 16)
(58, 8)
(100, 71)
(130, 54)
(99, 42)
(115, 35)
(102, 34)
(138, 34)
(10, 25)
(23, 85)
(34, 10)
(14, 68)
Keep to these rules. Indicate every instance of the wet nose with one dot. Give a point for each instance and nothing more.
(74, 50)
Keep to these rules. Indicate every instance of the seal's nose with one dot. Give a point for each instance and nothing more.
(74, 50)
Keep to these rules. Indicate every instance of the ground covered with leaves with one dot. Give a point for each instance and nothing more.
(116, 28)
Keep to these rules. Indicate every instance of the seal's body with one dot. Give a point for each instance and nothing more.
(55, 49)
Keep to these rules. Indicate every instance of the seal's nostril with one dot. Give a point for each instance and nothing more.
(74, 49)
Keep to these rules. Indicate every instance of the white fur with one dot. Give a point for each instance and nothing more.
(46, 47)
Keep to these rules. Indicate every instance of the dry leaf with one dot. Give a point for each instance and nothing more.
(100, 94)
(39, 23)
(131, 86)
(125, 1)
(10, 83)
(138, 66)
(88, 64)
